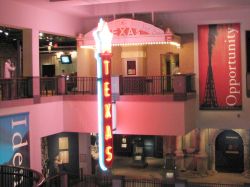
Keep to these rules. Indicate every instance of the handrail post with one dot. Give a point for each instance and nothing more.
(64, 180)
(121, 84)
(61, 85)
(36, 87)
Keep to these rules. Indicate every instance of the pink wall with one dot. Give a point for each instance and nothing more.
(152, 115)
(80, 114)
(21, 15)
(45, 119)
(148, 116)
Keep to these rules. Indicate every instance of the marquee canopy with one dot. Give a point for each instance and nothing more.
(132, 32)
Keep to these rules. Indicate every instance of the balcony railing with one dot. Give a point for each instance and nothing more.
(16, 88)
(67, 85)
(179, 85)
(155, 85)
(21, 177)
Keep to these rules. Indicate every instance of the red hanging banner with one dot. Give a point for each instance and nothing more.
(220, 67)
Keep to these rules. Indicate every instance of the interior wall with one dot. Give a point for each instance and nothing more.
(137, 54)
(86, 62)
(154, 53)
(52, 58)
(84, 153)
(187, 53)
(116, 61)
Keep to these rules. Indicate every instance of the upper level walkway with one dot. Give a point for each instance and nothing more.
(28, 87)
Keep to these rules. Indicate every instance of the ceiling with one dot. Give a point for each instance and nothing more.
(94, 8)
(58, 43)
(150, 11)
(10, 35)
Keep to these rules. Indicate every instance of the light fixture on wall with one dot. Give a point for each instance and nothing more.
(40, 35)
(58, 54)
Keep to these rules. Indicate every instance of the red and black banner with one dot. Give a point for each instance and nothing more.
(220, 67)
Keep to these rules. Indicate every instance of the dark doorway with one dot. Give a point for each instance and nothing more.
(48, 70)
(169, 65)
(229, 152)
(152, 145)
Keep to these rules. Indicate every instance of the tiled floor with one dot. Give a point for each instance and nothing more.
(154, 170)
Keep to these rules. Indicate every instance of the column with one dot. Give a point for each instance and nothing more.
(194, 139)
(201, 157)
(245, 138)
(31, 69)
(31, 65)
(169, 145)
(190, 148)
(179, 161)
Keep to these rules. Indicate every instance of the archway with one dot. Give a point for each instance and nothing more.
(229, 152)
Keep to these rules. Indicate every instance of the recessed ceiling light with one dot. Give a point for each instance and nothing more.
(6, 33)
(1, 31)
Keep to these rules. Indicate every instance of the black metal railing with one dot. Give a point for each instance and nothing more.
(190, 82)
(80, 85)
(146, 182)
(17, 176)
(120, 181)
(23, 177)
(59, 180)
(154, 85)
(16, 88)
(49, 86)
(214, 185)
(149, 85)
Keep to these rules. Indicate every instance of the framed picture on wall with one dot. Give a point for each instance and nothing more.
(131, 67)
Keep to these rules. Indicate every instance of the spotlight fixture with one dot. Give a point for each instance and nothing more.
(6, 33)
(1, 31)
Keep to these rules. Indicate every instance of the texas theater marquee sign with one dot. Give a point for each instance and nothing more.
(132, 32)
(220, 67)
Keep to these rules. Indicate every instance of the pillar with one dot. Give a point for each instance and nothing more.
(84, 153)
(202, 157)
(179, 154)
(31, 65)
(169, 145)
(31, 69)
(194, 139)
(187, 141)
(246, 151)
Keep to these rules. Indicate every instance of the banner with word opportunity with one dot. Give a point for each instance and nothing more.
(14, 140)
(220, 67)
